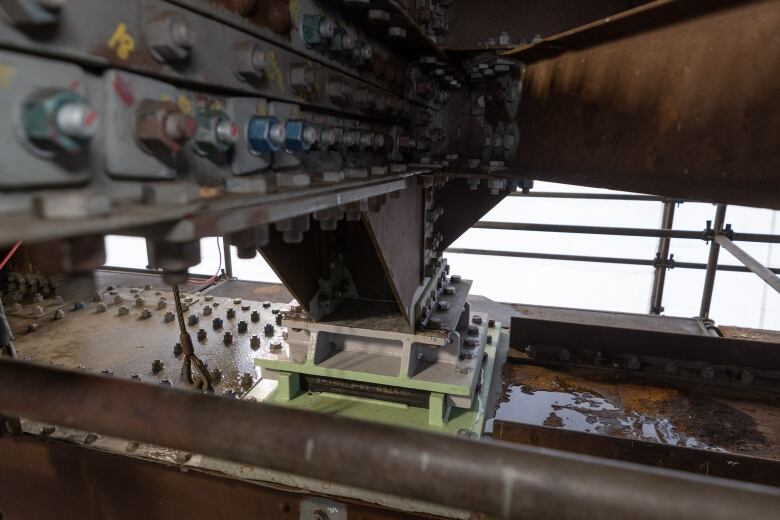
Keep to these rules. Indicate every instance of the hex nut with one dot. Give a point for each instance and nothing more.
(264, 134)
(249, 61)
(160, 127)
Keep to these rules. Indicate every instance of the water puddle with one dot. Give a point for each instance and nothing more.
(556, 399)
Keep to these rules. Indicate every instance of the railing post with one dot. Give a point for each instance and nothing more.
(712, 263)
(662, 258)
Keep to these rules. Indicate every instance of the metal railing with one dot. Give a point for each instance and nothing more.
(717, 233)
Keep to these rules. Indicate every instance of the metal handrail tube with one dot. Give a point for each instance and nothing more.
(503, 480)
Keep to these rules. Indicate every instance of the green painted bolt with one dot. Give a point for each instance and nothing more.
(58, 121)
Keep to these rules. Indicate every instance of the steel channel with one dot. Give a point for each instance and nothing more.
(712, 264)
(494, 478)
(618, 340)
(39, 475)
(751, 263)
(659, 277)
(705, 462)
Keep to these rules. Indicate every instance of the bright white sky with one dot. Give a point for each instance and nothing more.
(740, 299)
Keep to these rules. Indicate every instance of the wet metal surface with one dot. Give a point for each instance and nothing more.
(541, 396)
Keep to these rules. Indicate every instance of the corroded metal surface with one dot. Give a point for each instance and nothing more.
(559, 399)
(124, 346)
(685, 109)
(397, 234)
(683, 458)
(40, 476)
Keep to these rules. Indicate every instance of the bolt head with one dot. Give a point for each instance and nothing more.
(169, 37)
(249, 61)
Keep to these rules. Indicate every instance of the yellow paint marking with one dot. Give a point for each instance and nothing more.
(122, 42)
(7, 73)
(295, 11)
(275, 73)
(184, 104)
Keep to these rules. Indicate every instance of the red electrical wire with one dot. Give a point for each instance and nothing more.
(216, 275)
(13, 250)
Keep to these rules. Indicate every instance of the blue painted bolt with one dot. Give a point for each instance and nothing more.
(264, 134)
(217, 323)
(299, 136)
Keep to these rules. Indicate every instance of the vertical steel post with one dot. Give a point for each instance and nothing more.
(228, 258)
(662, 257)
(712, 264)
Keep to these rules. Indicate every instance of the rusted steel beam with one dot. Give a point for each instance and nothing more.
(41, 475)
(703, 462)
(679, 105)
(617, 340)
(494, 478)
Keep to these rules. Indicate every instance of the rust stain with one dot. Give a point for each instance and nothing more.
(536, 395)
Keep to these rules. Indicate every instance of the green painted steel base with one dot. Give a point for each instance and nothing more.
(437, 417)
